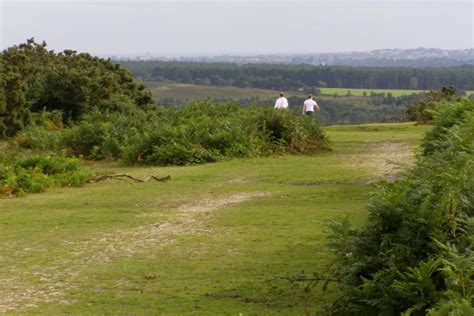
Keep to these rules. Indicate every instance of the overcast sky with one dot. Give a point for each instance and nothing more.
(187, 27)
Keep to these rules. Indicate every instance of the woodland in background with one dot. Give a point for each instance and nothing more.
(294, 77)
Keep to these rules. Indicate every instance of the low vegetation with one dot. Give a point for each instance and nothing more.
(195, 133)
(39, 172)
(415, 253)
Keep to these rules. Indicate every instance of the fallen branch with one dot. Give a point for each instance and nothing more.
(125, 176)
(303, 279)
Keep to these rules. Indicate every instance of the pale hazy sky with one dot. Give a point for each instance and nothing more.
(188, 27)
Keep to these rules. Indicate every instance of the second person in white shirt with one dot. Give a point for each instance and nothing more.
(309, 106)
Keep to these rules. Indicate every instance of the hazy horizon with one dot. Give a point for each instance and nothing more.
(249, 54)
(210, 28)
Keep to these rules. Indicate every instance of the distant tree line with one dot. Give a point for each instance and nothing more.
(291, 77)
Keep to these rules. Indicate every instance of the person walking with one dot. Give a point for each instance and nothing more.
(281, 102)
(309, 105)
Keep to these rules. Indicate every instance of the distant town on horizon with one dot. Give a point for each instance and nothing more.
(415, 57)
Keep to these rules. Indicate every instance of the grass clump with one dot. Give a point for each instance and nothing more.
(415, 253)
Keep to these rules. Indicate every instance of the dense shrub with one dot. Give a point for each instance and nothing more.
(414, 254)
(42, 134)
(36, 173)
(195, 133)
(449, 115)
(33, 78)
(294, 134)
(98, 135)
(422, 110)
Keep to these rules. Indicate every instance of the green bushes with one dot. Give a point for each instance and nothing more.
(195, 133)
(422, 110)
(449, 117)
(33, 78)
(36, 173)
(415, 251)
(79, 105)
(203, 132)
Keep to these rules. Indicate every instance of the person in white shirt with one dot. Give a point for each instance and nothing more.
(281, 102)
(309, 105)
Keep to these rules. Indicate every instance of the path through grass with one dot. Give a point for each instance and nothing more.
(214, 239)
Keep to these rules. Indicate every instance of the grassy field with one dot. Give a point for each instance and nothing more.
(180, 91)
(214, 239)
(360, 92)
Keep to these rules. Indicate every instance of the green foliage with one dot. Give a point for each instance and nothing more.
(195, 133)
(449, 116)
(422, 110)
(294, 134)
(38, 172)
(414, 254)
(42, 133)
(203, 132)
(33, 78)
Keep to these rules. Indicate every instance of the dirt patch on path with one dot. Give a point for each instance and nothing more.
(58, 277)
(385, 158)
(214, 204)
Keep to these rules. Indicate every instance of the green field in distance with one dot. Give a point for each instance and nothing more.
(360, 92)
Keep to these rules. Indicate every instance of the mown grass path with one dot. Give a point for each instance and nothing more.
(215, 239)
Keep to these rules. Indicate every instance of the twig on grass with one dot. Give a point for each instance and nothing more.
(298, 279)
(127, 176)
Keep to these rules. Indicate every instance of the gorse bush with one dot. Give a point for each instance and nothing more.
(195, 133)
(33, 78)
(36, 173)
(422, 110)
(414, 254)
